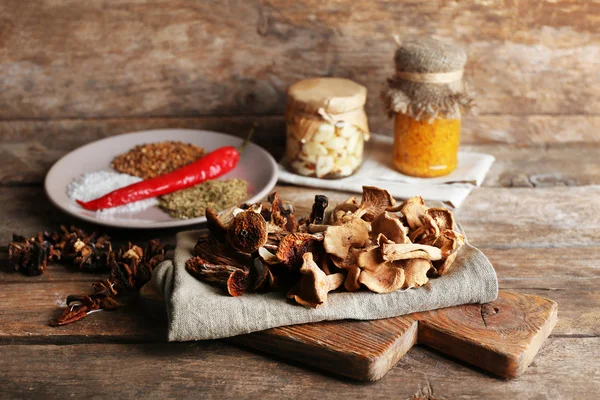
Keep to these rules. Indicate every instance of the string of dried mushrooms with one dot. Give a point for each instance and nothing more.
(374, 244)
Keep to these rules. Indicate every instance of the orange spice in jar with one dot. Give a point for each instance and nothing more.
(426, 97)
(326, 127)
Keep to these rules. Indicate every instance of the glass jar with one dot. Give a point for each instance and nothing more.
(427, 97)
(426, 148)
(326, 127)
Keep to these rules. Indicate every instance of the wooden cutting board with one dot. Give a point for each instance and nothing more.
(501, 337)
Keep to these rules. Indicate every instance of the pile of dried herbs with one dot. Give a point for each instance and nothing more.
(193, 202)
(130, 267)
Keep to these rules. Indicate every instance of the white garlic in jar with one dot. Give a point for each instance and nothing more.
(326, 127)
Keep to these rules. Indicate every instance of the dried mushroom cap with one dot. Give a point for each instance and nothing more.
(247, 232)
(217, 224)
(377, 274)
(426, 232)
(413, 209)
(350, 264)
(381, 239)
(349, 206)
(280, 215)
(261, 274)
(214, 251)
(236, 280)
(449, 243)
(292, 247)
(390, 225)
(442, 217)
(339, 238)
(314, 285)
(395, 252)
(415, 272)
(267, 256)
(374, 202)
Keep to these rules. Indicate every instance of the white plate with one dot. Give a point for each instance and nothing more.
(256, 166)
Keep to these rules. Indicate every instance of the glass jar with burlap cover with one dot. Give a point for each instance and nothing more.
(326, 127)
(426, 96)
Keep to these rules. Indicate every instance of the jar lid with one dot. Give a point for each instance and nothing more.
(428, 81)
(333, 95)
(429, 55)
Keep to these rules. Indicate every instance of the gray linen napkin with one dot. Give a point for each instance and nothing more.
(198, 311)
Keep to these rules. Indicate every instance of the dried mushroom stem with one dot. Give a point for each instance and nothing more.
(395, 252)
(236, 280)
(314, 285)
(317, 213)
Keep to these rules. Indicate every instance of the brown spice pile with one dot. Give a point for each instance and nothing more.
(193, 202)
(153, 159)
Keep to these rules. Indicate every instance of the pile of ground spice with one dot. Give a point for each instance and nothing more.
(193, 202)
(153, 159)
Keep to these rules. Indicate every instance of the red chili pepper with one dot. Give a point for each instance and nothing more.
(211, 166)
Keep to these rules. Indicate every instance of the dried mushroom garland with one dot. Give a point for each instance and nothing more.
(374, 244)
(130, 267)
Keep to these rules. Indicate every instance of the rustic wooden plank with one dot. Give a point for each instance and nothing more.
(546, 268)
(28, 307)
(564, 369)
(168, 58)
(548, 217)
(501, 337)
(31, 147)
(492, 217)
(574, 164)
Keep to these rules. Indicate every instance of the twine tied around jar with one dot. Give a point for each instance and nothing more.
(428, 80)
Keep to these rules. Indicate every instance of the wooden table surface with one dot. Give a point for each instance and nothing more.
(537, 217)
(75, 71)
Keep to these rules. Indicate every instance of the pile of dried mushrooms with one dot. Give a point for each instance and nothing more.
(374, 244)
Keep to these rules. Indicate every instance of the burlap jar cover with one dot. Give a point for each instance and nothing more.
(428, 81)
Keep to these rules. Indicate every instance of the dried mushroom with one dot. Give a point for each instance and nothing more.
(449, 242)
(374, 202)
(378, 275)
(259, 247)
(248, 231)
(236, 280)
(443, 218)
(413, 209)
(339, 238)
(415, 272)
(314, 285)
(218, 224)
(350, 264)
(317, 214)
(130, 267)
(293, 246)
(341, 210)
(389, 224)
(280, 215)
(401, 251)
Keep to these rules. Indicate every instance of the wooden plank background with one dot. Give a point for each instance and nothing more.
(72, 71)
